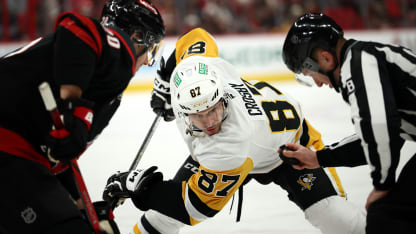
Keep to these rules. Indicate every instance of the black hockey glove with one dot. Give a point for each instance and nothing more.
(139, 182)
(68, 143)
(115, 191)
(106, 217)
(160, 101)
(134, 184)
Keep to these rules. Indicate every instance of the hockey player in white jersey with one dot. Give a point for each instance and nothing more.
(233, 129)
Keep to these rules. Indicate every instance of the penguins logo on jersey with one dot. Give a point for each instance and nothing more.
(306, 181)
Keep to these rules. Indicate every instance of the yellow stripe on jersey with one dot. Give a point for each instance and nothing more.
(208, 191)
(297, 135)
(315, 139)
(196, 42)
(193, 221)
(337, 181)
(136, 229)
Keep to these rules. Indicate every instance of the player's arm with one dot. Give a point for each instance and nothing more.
(70, 91)
(347, 152)
(375, 116)
(76, 52)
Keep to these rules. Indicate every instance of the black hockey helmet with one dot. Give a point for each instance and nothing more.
(310, 31)
(136, 16)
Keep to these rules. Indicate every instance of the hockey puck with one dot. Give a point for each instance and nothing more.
(291, 161)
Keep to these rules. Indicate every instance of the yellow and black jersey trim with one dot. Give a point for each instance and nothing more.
(308, 136)
(208, 191)
(195, 42)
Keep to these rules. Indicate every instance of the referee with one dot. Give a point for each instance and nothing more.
(378, 81)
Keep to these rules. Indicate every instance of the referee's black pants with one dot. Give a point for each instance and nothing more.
(396, 213)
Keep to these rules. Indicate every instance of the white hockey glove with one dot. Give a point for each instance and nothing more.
(160, 101)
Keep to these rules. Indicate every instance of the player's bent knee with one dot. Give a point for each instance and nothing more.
(335, 215)
(71, 226)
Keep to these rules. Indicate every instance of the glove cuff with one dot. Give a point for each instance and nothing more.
(85, 115)
(139, 201)
(160, 85)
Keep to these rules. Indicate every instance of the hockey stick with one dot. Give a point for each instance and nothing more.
(116, 202)
(50, 104)
(146, 141)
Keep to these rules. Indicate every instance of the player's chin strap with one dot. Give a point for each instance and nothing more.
(240, 203)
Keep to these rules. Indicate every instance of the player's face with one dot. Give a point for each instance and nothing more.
(142, 59)
(147, 52)
(209, 120)
(319, 78)
(324, 62)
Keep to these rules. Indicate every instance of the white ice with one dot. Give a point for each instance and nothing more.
(266, 209)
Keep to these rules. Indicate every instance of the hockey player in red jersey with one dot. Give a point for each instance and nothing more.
(88, 65)
(233, 129)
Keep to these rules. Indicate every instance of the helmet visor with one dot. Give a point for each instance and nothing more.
(303, 74)
(154, 53)
(310, 64)
(208, 121)
(153, 48)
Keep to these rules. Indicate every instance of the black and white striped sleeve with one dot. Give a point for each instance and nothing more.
(366, 80)
(345, 153)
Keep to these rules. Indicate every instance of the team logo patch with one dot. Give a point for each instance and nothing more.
(177, 80)
(306, 181)
(203, 69)
(28, 215)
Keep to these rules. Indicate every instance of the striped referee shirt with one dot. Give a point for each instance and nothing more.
(378, 81)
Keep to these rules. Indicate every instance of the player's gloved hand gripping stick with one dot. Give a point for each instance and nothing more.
(51, 106)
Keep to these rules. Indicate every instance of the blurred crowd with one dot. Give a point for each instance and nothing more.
(28, 19)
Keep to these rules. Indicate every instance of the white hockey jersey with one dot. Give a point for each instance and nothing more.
(260, 119)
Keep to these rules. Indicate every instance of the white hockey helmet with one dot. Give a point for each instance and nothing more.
(197, 85)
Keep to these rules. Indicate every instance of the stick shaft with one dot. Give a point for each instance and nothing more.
(145, 142)
(50, 104)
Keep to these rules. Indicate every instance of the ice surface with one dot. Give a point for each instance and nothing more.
(266, 209)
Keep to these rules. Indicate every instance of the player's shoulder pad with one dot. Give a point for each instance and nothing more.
(83, 27)
(196, 42)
